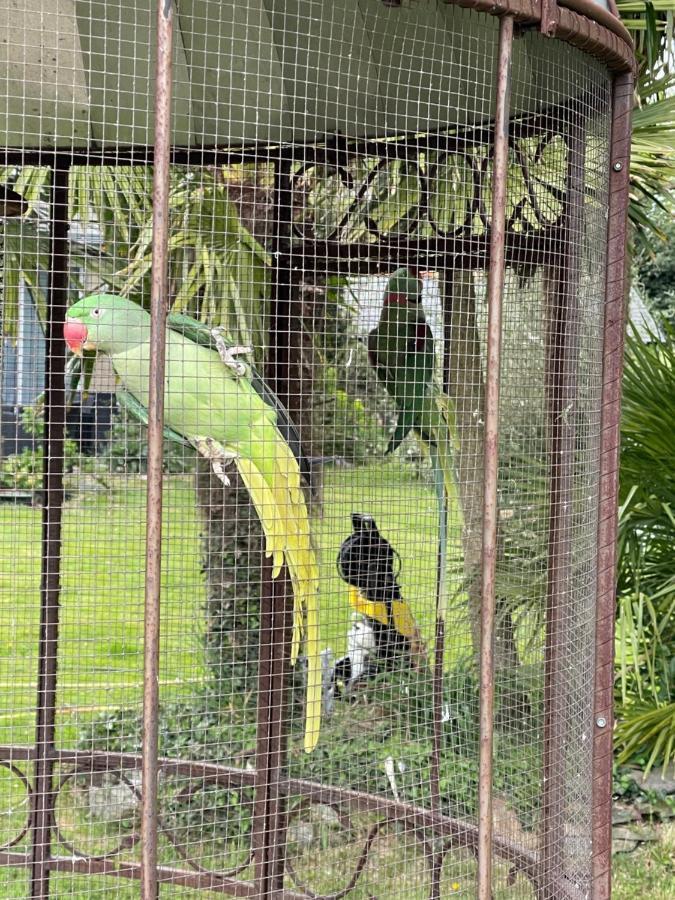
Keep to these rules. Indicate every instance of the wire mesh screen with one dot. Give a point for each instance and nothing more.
(330, 220)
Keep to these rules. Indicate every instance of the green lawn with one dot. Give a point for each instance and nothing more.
(101, 636)
(648, 872)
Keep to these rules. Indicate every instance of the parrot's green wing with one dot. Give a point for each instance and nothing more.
(79, 370)
(140, 413)
(194, 330)
(200, 333)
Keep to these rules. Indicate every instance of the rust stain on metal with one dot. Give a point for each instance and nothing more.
(284, 373)
(435, 762)
(42, 796)
(562, 279)
(159, 291)
(491, 456)
(549, 17)
(615, 315)
(581, 23)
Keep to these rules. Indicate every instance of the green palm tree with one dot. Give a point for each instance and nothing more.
(646, 592)
(653, 143)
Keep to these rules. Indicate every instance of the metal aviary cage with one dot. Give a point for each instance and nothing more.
(307, 569)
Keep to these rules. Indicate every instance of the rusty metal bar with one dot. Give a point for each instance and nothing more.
(562, 350)
(439, 641)
(596, 13)
(463, 251)
(283, 371)
(455, 832)
(435, 761)
(615, 314)
(42, 796)
(269, 828)
(280, 703)
(277, 595)
(607, 38)
(495, 289)
(459, 832)
(153, 550)
(259, 837)
(549, 17)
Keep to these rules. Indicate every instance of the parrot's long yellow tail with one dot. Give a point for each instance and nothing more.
(275, 490)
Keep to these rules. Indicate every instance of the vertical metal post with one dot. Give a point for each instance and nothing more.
(280, 704)
(282, 368)
(284, 375)
(277, 594)
(259, 837)
(491, 457)
(42, 798)
(153, 550)
(562, 352)
(615, 310)
(439, 639)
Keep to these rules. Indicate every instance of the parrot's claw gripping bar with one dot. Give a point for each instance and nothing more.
(229, 354)
(216, 454)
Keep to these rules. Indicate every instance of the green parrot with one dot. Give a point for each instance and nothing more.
(80, 368)
(401, 350)
(216, 403)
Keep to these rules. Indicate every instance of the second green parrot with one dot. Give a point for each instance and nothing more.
(210, 401)
(401, 350)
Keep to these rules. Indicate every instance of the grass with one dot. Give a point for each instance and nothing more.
(101, 628)
(101, 621)
(101, 631)
(649, 871)
(101, 652)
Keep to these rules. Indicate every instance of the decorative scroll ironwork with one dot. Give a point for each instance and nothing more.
(22, 831)
(436, 834)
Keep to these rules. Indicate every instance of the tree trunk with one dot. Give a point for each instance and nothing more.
(232, 548)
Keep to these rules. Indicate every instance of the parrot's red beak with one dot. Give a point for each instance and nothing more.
(391, 299)
(75, 334)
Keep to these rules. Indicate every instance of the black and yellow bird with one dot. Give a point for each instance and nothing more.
(368, 563)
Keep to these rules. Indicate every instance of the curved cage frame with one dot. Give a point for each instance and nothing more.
(592, 30)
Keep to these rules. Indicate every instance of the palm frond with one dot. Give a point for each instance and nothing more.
(652, 167)
(648, 731)
(646, 583)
